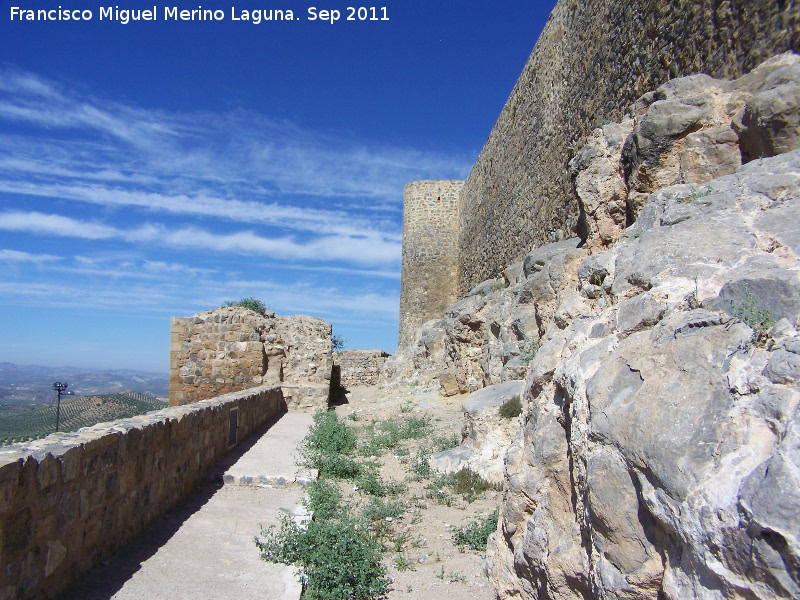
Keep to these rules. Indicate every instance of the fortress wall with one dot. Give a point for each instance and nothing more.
(593, 59)
(360, 367)
(430, 252)
(70, 500)
(231, 349)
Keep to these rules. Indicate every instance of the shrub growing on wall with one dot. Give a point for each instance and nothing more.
(253, 304)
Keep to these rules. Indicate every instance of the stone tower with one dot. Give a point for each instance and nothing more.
(430, 253)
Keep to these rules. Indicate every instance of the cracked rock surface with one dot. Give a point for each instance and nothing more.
(659, 451)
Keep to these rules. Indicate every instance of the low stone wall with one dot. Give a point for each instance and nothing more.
(360, 367)
(71, 499)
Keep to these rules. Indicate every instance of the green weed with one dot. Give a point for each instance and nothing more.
(403, 564)
(371, 484)
(253, 304)
(475, 534)
(417, 428)
(511, 408)
(323, 499)
(380, 510)
(400, 541)
(406, 407)
(470, 484)
(337, 343)
(337, 558)
(421, 466)
(441, 443)
(438, 489)
(389, 434)
(758, 319)
(327, 445)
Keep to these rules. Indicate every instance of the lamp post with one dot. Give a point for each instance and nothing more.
(59, 388)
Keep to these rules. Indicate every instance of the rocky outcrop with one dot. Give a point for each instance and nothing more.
(486, 434)
(689, 130)
(600, 185)
(658, 455)
(492, 335)
(232, 348)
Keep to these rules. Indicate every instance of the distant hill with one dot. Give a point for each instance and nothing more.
(30, 385)
(18, 423)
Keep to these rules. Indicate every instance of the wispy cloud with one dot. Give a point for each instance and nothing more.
(275, 214)
(168, 212)
(366, 249)
(44, 224)
(257, 155)
(15, 256)
(140, 293)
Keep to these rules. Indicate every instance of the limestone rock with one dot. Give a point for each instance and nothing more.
(492, 334)
(657, 456)
(769, 124)
(684, 136)
(600, 185)
(486, 434)
(689, 130)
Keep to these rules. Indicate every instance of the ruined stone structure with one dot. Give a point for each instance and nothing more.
(231, 349)
(69, 501)
(592, 60)
(360, 367)
(430, 252)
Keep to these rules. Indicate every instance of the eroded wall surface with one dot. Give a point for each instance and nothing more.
(231, 349)
(593, 59)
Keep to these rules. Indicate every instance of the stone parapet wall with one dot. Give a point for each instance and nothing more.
(430, 252)
(231, 349)
(70, 500)
(360, 367)
(593, 59)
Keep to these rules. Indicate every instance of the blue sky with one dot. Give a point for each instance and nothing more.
(159, 168)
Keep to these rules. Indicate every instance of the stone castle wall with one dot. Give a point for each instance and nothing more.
(231, 349)
(360, 367)
(71, 500)
(593, 59)
(430, 252)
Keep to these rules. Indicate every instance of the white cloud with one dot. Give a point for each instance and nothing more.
(288, 217)
(39, 223)
(15, 256)
(367, 249)
(191, 151)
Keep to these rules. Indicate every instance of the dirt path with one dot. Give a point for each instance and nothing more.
(429, 565)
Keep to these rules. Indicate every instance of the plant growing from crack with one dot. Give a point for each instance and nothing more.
(511, 408)
(750, 312)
